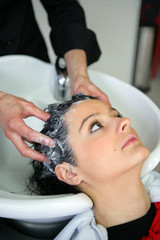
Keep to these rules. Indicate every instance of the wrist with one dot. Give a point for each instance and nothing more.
(76, 63)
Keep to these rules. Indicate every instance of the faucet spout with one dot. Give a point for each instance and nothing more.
(62, 83)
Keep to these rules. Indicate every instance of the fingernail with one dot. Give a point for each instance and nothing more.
(51, 144)
(47, 161)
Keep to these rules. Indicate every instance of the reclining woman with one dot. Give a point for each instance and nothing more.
(98, 152)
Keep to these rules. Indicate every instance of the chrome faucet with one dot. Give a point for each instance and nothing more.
(62, 83)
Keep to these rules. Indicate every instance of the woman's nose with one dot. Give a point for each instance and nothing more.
(124, 124)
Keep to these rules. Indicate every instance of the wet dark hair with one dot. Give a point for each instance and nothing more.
(44, 180)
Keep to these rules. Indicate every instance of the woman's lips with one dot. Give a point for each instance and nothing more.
(130, 139)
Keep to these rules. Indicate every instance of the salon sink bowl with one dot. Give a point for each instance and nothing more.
(33, 80)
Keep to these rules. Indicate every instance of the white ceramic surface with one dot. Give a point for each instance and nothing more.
(33, 80)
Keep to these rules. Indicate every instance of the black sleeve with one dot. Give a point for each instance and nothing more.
(68, 29)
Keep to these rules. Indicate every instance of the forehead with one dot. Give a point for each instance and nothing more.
(87, 107)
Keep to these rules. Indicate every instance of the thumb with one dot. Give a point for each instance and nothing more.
(82, 90)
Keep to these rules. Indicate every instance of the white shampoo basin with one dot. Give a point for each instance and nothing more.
(33, 80)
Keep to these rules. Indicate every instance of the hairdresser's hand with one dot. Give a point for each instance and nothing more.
(77, 70)
(12, 111)
(88, 88)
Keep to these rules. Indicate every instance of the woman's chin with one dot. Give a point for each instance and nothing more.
(144, 153)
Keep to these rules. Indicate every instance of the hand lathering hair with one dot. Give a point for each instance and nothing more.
(44, 180)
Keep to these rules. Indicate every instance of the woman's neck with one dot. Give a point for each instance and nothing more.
(120, 203)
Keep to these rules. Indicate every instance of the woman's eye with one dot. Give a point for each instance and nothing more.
(119, 115)
(95, 127)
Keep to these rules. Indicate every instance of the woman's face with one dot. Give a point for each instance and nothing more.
(104, 143)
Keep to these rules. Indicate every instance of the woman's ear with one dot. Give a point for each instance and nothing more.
(68, 174)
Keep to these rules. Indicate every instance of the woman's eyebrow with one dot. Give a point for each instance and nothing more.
(114, 109)
(86, 119)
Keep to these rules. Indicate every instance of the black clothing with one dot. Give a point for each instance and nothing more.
(133, 230)
(19, 32)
